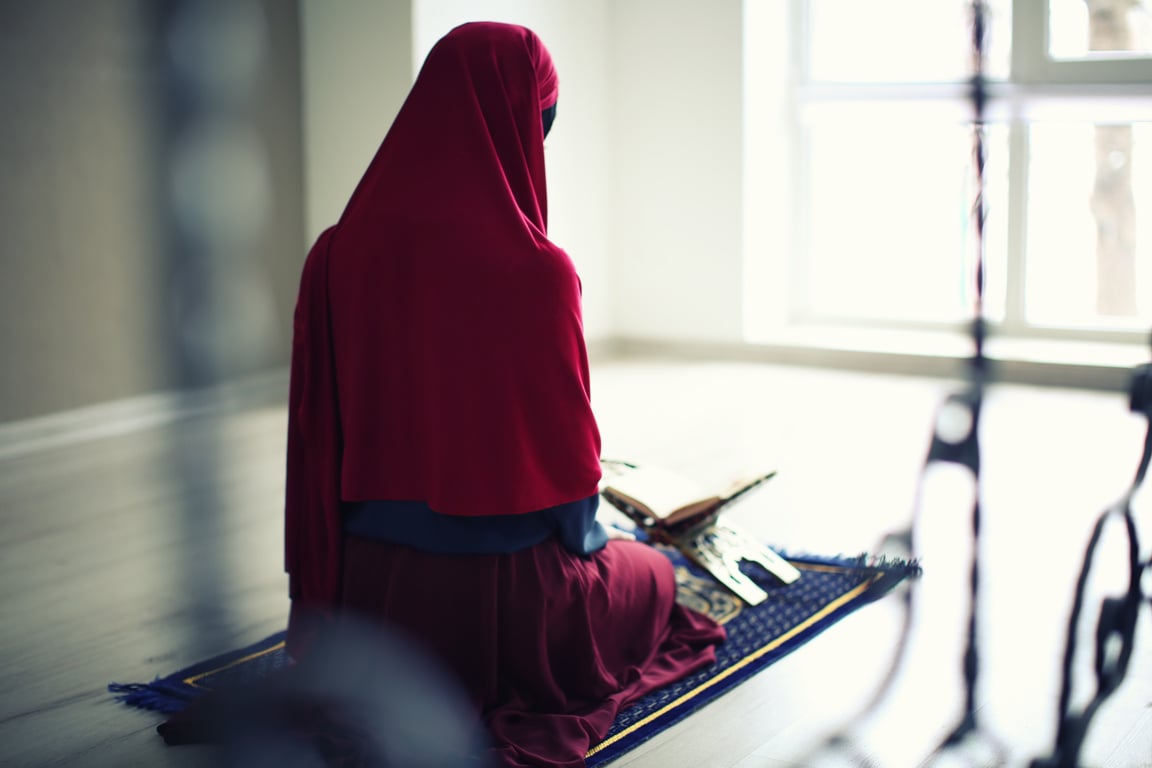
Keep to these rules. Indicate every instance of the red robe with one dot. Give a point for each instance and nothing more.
(439, 356)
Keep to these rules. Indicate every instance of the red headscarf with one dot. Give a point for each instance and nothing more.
(438, 353)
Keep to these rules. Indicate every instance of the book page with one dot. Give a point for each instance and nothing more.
(659, 490)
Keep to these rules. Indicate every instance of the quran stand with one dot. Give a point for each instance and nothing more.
(719, 548)
(716, 545)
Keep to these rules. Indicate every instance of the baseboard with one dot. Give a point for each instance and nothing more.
(131, 414)
(1055, 367)
(1094, 367)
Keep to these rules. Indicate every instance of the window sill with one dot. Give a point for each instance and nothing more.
(1047, 362)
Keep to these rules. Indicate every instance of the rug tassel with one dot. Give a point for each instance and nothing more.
(910, 569)
(151, 696)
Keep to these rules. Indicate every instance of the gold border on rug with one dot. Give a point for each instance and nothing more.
(235, 662)
(832, 606)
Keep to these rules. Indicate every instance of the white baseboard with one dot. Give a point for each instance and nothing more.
(1100, 367)
(1052, 364)
(119, 417)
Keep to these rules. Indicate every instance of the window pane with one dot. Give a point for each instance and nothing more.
(902, 41)
(1087, 29)
(1089, 260)
(890, 234)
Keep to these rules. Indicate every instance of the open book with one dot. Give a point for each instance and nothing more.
(675, 511)
(654, 497)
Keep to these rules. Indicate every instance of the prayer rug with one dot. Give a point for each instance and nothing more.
(829, 589)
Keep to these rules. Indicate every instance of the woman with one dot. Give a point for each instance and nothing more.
(443, 457)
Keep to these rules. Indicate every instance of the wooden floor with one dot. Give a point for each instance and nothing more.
(106, 541)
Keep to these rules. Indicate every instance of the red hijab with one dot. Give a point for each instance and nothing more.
(438, 352)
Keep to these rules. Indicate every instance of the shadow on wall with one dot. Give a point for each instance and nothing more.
(151, 216)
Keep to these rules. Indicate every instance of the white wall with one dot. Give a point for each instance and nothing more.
(644, 162)
(87, 149)
(356, 71)
(677, 159)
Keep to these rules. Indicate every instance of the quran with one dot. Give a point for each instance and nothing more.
(670, 509)
(657, 497)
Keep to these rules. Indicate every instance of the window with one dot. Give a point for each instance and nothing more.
(1079, 30)
(876, 149)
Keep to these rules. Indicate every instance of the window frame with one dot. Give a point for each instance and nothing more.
(1037, 87)
(1031, 63)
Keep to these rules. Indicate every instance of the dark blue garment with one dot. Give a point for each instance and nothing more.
(413, 523)
(549, 115)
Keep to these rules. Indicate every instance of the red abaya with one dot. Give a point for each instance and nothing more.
(438, 356)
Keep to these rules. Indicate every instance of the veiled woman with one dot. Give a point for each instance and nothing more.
(443, 456)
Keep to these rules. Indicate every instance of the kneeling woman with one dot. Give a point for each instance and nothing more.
(443, 457)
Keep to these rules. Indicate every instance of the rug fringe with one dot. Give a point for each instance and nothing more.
(864, 561)
(155, 696)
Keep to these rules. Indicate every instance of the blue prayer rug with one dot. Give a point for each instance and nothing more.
(829, 589)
